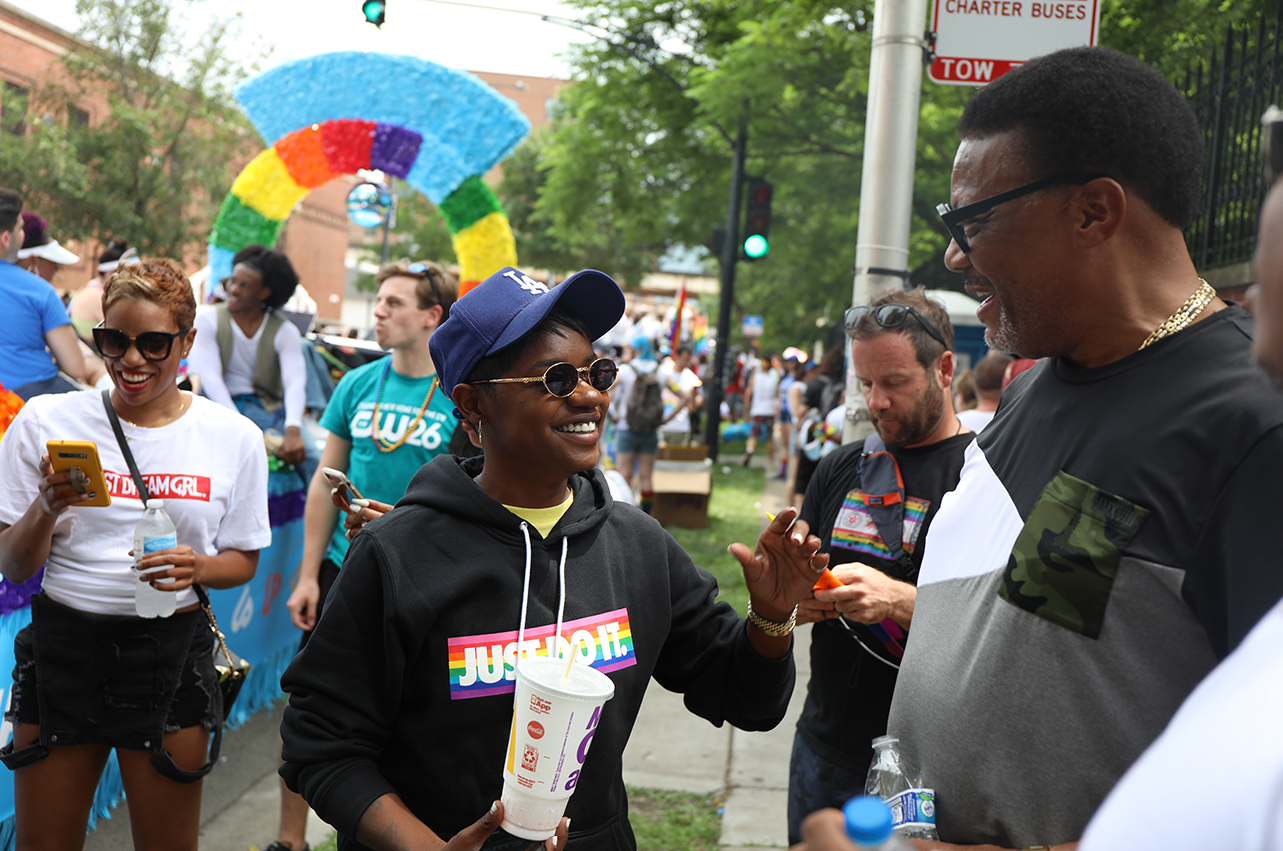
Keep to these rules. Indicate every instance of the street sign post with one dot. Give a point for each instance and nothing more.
(977, 41)
(752, 325)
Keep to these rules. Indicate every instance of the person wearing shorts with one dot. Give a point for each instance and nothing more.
(91, 675)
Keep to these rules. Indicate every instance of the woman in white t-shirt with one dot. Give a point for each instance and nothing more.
(90, 675)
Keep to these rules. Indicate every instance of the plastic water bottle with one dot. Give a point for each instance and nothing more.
(869, 825)
(154, 532)
(913, 806)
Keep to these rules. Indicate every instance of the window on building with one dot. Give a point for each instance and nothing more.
(77, 117)
(13, 113)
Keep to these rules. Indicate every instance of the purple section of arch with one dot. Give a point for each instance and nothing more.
(394, 149)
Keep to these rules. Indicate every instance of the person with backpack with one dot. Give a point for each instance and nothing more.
(637, 407)
(870, 504)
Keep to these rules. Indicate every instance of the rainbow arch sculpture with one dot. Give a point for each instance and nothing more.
(437, 128)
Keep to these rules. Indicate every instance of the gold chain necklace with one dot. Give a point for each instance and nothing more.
(374, 421)
(182, 409)
(1184, 314)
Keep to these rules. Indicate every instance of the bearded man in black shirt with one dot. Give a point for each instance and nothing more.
(902, 352)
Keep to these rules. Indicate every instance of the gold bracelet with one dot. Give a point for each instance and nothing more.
(773, 628)
(1038, 848)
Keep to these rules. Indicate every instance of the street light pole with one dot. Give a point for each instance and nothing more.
(886, 187)
(730, 254)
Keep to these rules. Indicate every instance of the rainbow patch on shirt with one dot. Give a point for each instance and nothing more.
(484, 665)
(854, 528)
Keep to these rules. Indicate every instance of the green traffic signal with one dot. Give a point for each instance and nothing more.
(374, 12)
(756, 246)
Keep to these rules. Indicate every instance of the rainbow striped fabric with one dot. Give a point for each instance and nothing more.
(484, 665)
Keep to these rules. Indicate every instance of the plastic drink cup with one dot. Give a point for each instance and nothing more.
(553, 721)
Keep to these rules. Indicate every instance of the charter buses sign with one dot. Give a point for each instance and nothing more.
(977, 41)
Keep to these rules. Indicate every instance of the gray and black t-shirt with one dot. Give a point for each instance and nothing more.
(1112, 536)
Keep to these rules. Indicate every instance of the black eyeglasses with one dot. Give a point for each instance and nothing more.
(954, 219)
(561, 379)
(423, 270)
(891, 316)
(152, 345)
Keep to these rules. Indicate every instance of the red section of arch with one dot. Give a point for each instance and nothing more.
(304, 156)
(346, 143)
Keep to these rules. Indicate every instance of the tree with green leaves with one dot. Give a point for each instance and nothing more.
(638, 157)
(153, 169)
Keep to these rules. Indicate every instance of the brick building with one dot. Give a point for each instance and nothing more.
(318, 238)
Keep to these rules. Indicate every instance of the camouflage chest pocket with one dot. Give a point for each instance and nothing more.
(1063, 564)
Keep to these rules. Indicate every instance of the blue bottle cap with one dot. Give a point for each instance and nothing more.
(868, 820)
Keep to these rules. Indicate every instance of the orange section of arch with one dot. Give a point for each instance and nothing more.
(304, 156)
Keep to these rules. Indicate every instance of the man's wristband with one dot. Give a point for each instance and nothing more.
(772, 628)
(1038, 848)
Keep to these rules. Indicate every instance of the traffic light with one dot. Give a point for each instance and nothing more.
(757, 219)
(373, 11)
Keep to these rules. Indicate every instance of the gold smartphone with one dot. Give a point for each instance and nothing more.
(339, 480)
(80, 457)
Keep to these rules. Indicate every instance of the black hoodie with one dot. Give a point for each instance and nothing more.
(398, 690)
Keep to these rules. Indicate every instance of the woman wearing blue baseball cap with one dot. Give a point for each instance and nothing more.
(401, 704)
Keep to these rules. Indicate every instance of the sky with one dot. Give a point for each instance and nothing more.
(500, 36)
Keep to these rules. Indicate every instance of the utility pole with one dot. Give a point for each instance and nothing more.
(730, 254)
(886, 188)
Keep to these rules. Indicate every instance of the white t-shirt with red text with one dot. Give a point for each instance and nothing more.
(209, 466)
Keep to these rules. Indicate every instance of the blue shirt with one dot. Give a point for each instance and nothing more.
(31, 309)
(377, 474)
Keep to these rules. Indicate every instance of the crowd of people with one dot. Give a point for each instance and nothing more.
(1053, 577)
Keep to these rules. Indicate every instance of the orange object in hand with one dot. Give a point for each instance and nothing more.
(827, 580)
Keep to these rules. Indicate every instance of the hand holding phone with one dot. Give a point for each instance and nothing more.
(79, 460)
(342, 486)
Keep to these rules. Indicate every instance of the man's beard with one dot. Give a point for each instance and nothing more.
(915, 426)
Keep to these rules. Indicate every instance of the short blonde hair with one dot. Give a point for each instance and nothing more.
(434, 273)
(161, 282)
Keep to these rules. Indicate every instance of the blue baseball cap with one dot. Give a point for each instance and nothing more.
(507, 306)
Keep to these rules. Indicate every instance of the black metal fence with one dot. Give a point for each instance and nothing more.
(1229, 94)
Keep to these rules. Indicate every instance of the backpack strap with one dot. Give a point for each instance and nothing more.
(883, 488)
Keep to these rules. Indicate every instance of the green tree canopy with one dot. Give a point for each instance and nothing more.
(638, 157)
(156, 166)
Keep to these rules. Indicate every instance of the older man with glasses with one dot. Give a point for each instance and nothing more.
(902, 353)
(1113, 534)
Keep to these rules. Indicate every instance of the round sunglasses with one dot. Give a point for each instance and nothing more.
(561, 379)
(152, 345)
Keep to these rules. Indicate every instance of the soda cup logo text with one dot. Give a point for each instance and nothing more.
(535, 730)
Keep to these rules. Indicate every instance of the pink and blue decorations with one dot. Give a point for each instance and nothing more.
(434, 127)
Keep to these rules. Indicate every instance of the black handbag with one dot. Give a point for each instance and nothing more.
(231, 668)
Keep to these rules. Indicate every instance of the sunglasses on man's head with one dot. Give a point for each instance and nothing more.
(152, 345)
(423, 270)
(561, 379)
(891, 316)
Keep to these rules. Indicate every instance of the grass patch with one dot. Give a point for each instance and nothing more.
(664, 821)
(734, 514)
(661, 820)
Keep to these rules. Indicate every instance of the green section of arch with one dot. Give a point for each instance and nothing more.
(239, 225)
(469, 204)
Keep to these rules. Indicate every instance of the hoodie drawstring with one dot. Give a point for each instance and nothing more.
(525, 594)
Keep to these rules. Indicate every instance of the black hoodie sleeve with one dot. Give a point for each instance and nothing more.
(707, 655)
(342, 688)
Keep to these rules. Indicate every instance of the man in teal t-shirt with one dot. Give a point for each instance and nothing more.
(415, 423)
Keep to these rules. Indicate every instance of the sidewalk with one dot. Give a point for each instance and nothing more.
(670, 749)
